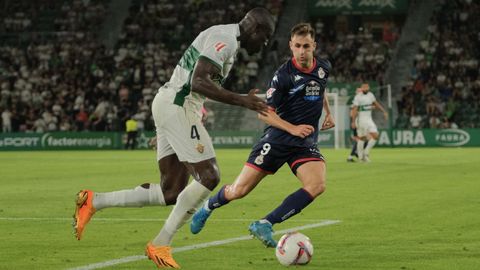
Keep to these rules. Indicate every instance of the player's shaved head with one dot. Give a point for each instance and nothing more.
(261, 17)
(256, 28)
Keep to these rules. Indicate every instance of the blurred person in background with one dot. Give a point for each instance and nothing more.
(363, 104)
(132, 130)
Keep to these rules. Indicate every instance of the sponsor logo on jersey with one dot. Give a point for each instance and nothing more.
(219, 46)
(270, 92)
(321, 73)
(312, 91)
(297, 78)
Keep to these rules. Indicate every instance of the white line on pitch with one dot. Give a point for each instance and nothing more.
(135, 219)
(198, 246)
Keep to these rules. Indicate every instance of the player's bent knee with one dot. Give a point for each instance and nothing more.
(209, 178)
(316, 190)
(170, 197)
(170, 193)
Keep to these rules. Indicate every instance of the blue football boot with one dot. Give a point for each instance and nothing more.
(263, 232)
(199, 219)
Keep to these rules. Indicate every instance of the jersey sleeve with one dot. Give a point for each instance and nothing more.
(276, 91)
(328, 65)
(356, 101)
(219, 48)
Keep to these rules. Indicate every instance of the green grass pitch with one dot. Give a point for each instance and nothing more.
(408, 209)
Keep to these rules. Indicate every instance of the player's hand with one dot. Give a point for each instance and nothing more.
(153, 142)
(302, 131)
(328, 123)
(385, 114)
(254, 103)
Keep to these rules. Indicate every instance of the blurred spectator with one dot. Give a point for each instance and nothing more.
(81, 119)
(64, 79)
(6, 120)
(446, 70)
(131, 129)
(415, 121)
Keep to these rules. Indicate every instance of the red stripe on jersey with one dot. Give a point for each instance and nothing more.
(218, 48)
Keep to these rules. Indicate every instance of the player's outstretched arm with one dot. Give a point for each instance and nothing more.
(202, 83)
(379, 106)
(328, 122)
(272, 119)
(354, 114)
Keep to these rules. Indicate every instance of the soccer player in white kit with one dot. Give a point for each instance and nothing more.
(184, 147)
(363, 103)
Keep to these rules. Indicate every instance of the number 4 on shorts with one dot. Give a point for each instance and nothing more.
(194, 133)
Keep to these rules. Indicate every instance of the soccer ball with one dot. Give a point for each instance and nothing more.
(294, 248)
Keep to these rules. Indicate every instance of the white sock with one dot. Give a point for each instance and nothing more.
(188, 201)
(370, 145)
(264, 221)
(205, 205)
(136, 197)
(360, 145)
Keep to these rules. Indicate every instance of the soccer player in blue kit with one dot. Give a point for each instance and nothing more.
(297, 98)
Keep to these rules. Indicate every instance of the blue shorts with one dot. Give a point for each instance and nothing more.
(269, 157)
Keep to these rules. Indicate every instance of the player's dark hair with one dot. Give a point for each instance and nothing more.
(302, 29)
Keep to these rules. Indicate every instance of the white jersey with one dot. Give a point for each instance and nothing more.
(364, 103)
(217, 44)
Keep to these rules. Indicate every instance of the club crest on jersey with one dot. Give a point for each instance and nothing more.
(219, 46)
(321, 73)
(270, 92)
(312, 91)
(259, 159)
(200, 148)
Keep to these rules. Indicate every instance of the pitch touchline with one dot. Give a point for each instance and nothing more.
(135, 219)
(197, 246)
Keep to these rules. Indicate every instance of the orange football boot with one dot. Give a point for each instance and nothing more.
(161, 256)
(83, 212)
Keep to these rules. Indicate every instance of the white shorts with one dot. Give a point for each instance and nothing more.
(180, 131)
(366, 127)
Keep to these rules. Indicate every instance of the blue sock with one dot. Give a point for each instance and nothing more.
(354, 149)
(291, 206)
(218, 200)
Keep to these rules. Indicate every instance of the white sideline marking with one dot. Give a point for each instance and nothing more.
(135, 219)
(197, 246)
